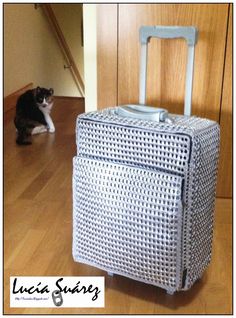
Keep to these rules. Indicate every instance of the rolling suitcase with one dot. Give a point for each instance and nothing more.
(144, 185)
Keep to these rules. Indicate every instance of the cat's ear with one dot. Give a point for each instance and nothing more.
(38, 90)
(51, 91)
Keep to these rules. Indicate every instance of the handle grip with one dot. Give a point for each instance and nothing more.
(142, 112)
(168, 32)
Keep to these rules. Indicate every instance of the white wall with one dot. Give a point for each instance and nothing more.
(90, 56)
(31, 53)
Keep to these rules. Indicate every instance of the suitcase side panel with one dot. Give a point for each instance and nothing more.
(198, 231)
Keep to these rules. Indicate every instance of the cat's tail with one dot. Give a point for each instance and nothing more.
(23, 139)
(22, 142)
(23, 136)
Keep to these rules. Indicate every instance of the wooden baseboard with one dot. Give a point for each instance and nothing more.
(10, 100)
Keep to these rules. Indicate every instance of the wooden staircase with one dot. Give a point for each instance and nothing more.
(64, 47)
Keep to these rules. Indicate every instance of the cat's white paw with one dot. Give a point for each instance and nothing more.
(52, 130)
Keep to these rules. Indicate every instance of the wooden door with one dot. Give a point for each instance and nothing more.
(224, 181)
(167, 58)
(118, 82)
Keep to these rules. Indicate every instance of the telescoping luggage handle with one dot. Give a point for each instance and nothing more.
(163, 32)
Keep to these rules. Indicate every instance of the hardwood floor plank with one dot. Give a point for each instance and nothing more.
(24, 250)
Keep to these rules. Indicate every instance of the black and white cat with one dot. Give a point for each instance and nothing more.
(33, 108)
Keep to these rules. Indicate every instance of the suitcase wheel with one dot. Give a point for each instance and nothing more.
(110, 274)
(170, 292)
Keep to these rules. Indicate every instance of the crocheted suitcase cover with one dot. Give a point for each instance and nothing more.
(143, 196)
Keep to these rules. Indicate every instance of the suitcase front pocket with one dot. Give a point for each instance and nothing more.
(127, 220)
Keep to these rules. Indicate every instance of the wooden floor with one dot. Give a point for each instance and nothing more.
(38, 230)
